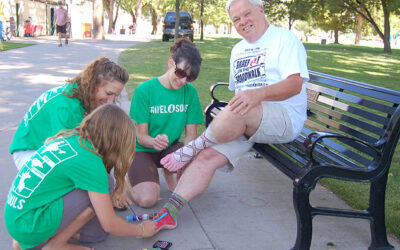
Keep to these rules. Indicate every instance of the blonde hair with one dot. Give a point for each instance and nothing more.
(113, 135)
(91, 78)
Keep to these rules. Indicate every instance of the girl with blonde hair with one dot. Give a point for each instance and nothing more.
(63, 190)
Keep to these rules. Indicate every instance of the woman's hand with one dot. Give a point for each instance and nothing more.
(160, 142)
(120, 201)
(149, 228)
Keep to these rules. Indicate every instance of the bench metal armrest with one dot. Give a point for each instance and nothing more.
(213, 87)
(313, 138)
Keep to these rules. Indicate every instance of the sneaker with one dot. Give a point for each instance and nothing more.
(60, 45)
(164, 220)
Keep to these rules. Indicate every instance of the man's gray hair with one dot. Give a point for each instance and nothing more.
(254, 2)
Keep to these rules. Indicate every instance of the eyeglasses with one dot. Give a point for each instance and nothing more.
(180, 73)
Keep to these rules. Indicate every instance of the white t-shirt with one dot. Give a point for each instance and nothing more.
(271, 59)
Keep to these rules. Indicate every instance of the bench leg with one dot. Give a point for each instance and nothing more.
(303, 209)
(377, 209)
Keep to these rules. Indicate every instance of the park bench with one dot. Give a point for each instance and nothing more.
(351, 133)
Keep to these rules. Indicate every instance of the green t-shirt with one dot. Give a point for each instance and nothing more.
(34, 206)
(166, 111)
(50, 113)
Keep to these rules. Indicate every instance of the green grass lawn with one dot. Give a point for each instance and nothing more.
(148, 60)
(11, 45)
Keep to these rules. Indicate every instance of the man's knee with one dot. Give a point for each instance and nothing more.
(211, 159)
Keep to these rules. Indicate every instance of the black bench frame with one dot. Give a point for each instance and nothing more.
(351, 134)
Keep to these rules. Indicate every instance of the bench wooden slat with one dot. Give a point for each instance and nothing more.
(341, 116)
(353, 110)
(377, 92)
(358, 100)
(335, 125)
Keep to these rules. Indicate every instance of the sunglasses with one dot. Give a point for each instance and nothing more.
(180, 73)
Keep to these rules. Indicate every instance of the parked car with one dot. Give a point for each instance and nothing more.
(185, 25)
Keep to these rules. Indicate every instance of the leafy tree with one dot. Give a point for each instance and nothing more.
(366, 7)
(306, 28)
(332, 18)
(289, 10)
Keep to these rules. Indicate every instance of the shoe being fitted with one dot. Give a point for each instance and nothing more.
(164, 220)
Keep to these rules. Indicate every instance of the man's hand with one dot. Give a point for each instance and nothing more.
(160, 142)
(245, 100)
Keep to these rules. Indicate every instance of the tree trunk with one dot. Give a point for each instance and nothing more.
(111, 17)
(116, 16)
(201, 21)
(133, 18)
(154, 21)
(386, 36)
(98, 20)
(176, 20)
(138, 15)
(359, 28)
(336, 36)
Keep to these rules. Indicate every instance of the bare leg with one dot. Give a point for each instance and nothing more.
(59, 39)
(226, 126)
(195, 179)
(15, 245)
(199, 173)
(60, 241)
(145, 194)
(169, 179)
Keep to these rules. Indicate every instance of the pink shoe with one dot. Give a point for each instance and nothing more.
(164, 220)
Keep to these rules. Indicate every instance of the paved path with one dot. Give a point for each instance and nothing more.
(250, 208)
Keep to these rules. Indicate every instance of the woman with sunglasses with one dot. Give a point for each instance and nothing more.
(164, 107)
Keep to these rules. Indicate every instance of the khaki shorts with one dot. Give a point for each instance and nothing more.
(275, 127)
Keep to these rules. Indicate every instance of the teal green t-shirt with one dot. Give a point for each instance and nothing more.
(34, 206)
(166, 111)
(50, 113)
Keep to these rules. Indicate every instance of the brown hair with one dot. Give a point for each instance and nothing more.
(113, 135)
(90, 78)
(185, 50)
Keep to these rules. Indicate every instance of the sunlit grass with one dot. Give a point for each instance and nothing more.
(360, 63)
(12, 45)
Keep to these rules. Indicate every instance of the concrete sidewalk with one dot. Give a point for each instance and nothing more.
(250, 208)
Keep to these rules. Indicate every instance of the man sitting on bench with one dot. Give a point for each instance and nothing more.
(268, 71)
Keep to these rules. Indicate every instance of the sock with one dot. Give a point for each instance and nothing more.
(175, 204)
(182, 156)
(190, 150)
